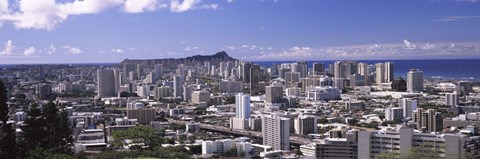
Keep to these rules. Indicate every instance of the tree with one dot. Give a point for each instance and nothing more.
(7, 133)
(230, 100)
(323, 120)
(33, 132)
(58, 129)
(136, 139)
(48, 130)
(232, 152)
(65, 134)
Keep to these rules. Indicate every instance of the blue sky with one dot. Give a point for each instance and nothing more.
(93, 31)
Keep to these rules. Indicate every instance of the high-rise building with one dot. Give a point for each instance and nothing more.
(395, 113)
(292, 76)
(302, 68)
(106, 83)
(158, 72)
(139, 71)
(254, 79)
(178, 86)
(415, 80)
(331, 69)
(380, 73)
(242, 112)
(464, 88)
(318, 68)
(399, 85)
(200, 96)
(451, 99)
(117, 73)
(363, 71)
(127, 68)
(230, 87)
(43, 91)
(428, 121)
(305, 124)
(276, 132)
(345, 68)
(242, 104)
(162, 92)
(245, 69)
(273, 94)
(187, 93)
(389, 72)
(408, 105)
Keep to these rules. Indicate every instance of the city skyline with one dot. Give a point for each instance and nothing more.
(49, 31)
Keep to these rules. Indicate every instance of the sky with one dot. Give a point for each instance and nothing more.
(108, 31)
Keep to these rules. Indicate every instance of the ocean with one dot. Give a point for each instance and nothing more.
(463, 69)
(459, 69)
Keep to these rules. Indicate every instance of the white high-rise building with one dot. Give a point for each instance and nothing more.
(242, 104)
(408, 105)
(394, 113)
(363, 70)
(276, 132)
(178, 86)
(415, 80)
(451, 99)
(106, 83)
(242, 112)
(389, 72)
(380, 73)
(117, 75)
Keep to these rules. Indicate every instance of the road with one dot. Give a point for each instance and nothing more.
(293, 139)
(33, 97)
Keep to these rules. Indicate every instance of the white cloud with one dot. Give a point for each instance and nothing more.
(51, 49)
(48, 14)
(177, 6)
(229, 1)
(191, 48)
(72, 50)
(230, 47)
(118, 50)
(185, 5)
(8, 48)
(3, 6)
(428, 46)
(455, 18)
(401, 50)
(208, 6)
(408, 44)
(29, 51)
(139, 6)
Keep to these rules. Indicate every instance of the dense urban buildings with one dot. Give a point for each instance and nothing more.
(349, 109)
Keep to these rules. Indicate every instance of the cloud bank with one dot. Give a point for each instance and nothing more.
(48, 14)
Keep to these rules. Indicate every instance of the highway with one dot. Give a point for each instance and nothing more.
(293, 139)
(33, 97)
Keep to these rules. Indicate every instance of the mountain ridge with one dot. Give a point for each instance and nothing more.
(214, 59)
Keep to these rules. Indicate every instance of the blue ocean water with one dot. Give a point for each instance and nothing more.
(467, 69)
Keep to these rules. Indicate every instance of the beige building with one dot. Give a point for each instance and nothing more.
(144, 116)
(200, 96)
